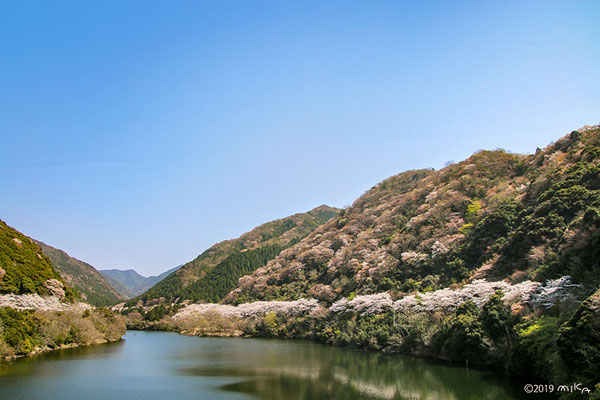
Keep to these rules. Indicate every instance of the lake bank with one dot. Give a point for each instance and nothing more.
(29, 332)
(158, 365)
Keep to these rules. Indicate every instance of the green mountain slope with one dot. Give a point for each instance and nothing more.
(466, 264)
(212, 274)
(495, 215)
(94, 289)
(133, 283)
(24, 268)
(119, 286)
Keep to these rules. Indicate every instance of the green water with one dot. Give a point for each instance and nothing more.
(160, 365)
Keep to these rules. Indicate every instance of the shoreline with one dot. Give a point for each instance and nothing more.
(46, 349)
(30, 332)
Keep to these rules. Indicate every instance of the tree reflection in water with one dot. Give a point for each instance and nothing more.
(304, 370)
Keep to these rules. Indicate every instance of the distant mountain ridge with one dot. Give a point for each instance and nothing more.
(131, 283)
(86, 279)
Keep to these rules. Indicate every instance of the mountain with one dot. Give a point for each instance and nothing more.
(117, 284)
(25, 269)
(211, 275)
(39, 310)
(491, 261)
(131, 283)
(92, 286)
(496, 215)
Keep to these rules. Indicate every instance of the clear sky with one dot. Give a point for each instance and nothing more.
(135, 134)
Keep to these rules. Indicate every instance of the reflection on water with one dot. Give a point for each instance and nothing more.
(25, 366)
(304, 370)
(158, 365)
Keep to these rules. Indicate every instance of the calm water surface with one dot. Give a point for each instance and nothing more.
(160, 365)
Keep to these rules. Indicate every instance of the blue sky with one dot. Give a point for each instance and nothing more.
(135, 134)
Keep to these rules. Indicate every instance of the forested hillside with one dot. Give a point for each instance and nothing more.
(40, 311)
(24, 268)
(491, 261)
(496, 215)
(216, 271)
(92, 286)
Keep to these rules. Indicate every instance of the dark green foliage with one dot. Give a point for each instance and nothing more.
(455, 270)
(479, 336)
(271, 326)
(582, 258)
(461, 336)
(220, 280)
(156, 313)
(489, 234)
(19, 329)
(579, 342)
(366, 331)
(512, 230)
(520, 168)
(25, 267)
(496, 319)
(151, 318)
(282, 227)
(169, 288)
(535, 351)
(560, 207)
(217, 282)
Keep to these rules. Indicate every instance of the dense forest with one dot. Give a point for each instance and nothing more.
(223, 278)
(24, 268)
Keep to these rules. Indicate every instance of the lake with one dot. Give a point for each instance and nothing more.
(162, 365)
